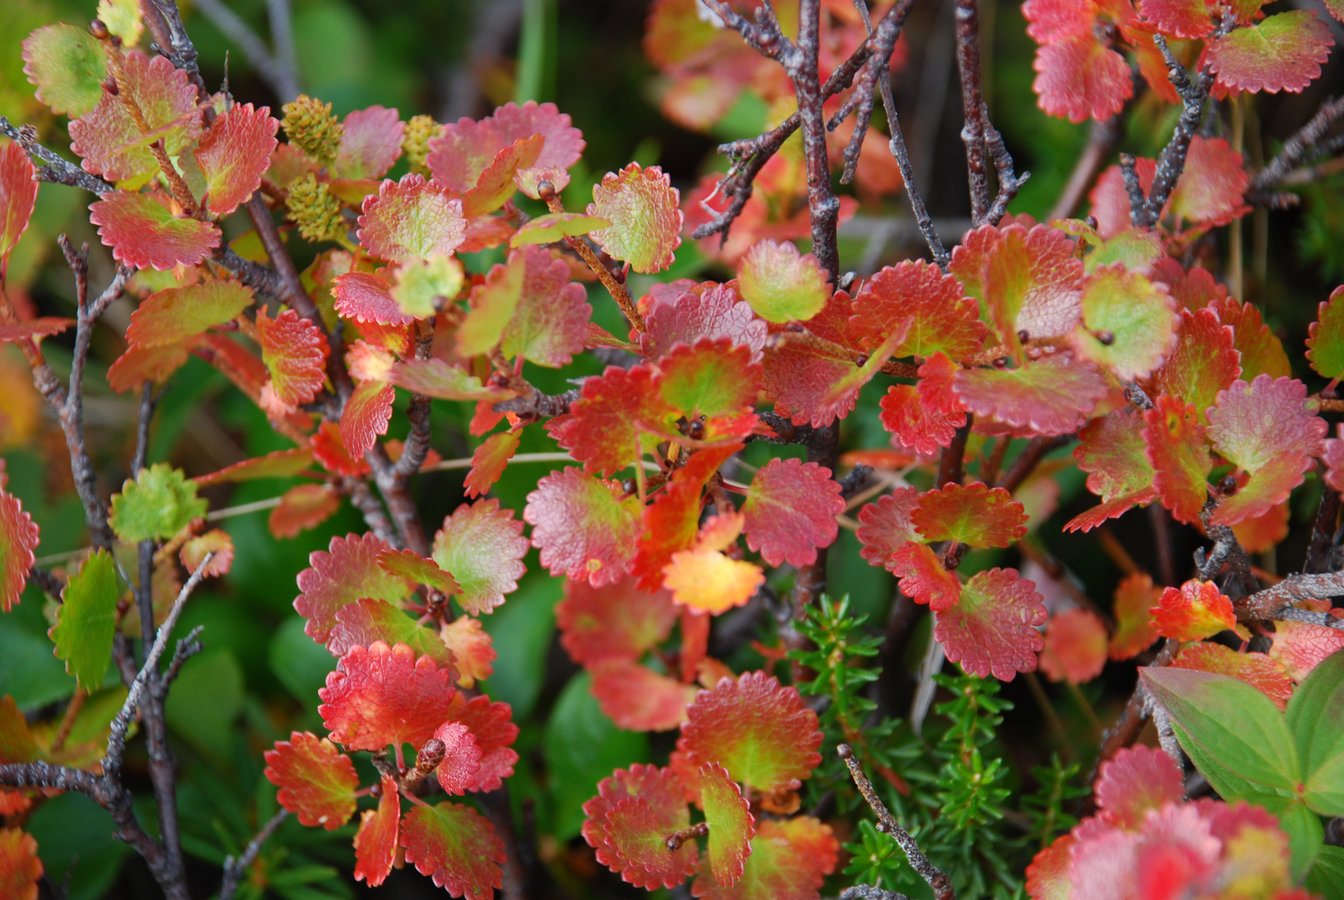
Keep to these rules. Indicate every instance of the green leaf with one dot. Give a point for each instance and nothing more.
(1234, 725)
(1305, 836)
(1327, 875)
(780, 284)
(1316, 718)
(583, 746)
(68, 67)
(158, 504)
(87, 620)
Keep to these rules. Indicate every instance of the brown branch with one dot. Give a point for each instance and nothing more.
(1270, 602)
(1296, 148)
(51, 167)
(801, 62)
(1102, 138)
(235, 866)
(973, 132)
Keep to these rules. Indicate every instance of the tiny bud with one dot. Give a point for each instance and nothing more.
(1023, 335)
(1001, 362)
(110, 85)
(844, 751)
(786, 431)
(861, 360)
(629, 486)
(545, 190)
(430, 755)
(695, 430)
(1228, 486)
(881, 826)
(795, 327)
(98, 29)
(1105, 337)
(1091, 221)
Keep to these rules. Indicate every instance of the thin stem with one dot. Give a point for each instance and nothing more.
(235, 866)
(802, 65)
(972, 108)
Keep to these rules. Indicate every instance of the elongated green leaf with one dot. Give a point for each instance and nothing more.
(1235, 726)
(1316, 719)
(1327, 875)
(87, 620)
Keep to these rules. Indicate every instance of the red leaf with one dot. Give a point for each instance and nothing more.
(1264, 673)
(463, 151)
(345, 572)
(731, 825)
(780, 284)
(924, 578)
(1269, 431)
(144, 233)
(367, 411)
(1178, 18)
(992, 630)
(614, 419)
(1112, 451)
(18, 540)
(1049, 396)
(1135, 781)
(925, 417)
(761, 733)
(175, 314)
(366, 620)
(629, 821)
(112, 144)
(33, 329)
(277, 464)
(885, 527)
(461, 758)
(1283, 52)
(642, 207)
(1301, 646)
(1075, 647)
(492, 728)
(1078, 77)
(812, 388)
(483, 547)
(616, 621)
(917, 296)
(1135, 596)
(1196, 611)
(457, 847)
(233, 154)
(376, 840)
(790, 859)
(1325, 343)
(1212, 186)
(488, 461)
(1178, 451)
(637, 698)
(709, 310)
(970, 514)
(496, 184)
(367, 297)
(411, 219)
(295, 353)
(1260, 349)
(672, 521)
(1203, 363)
(213, 541)
(370, 144)
(530, 307)
(302, 507)
(20, 866)
(415, 568)
(791, 510)
(316, 781)
(18, 193)
(383, 695)
(1027, 280)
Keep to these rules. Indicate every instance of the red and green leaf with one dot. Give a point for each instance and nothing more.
(970, 514)
(489, 460)
(1050, 396)
(492, 728)
(67, 65)
(924, 578)
(629, 821)
(645, 216)
(1135, 781)
(382, 695)
(731, 825)
(18, 540)
(233, 154)
(1129, 325)
(302, 507)
(992, 629)
(109, 140)
(553, 227)
(497, 184)
(1196, 611)
(925, 417)
(143, 232)
(18, 193)
(780, 284)
(472, 648)
(367, 297)
(790, 859)
(366, 620)
(175, 314)
(932, 306)
(1262, 672)
(886, 526)
(364, 418)
(530, 308)
(295, 353)
(343, 573)
(316, 781)
(376, 840)
(1112, 451)
(86, 620)
(411, 219)
(370, 144)
(1269, 431)
(215, 541)
(791, 511)
(637, 698)
(1325, 343)
(761, 733)
(455, 846)
(1212, 186)
(437, 378)
(1282, 52)
(20, 866)
(1135, 596)
(614, 420)
(482, 546)
(1204, 362)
